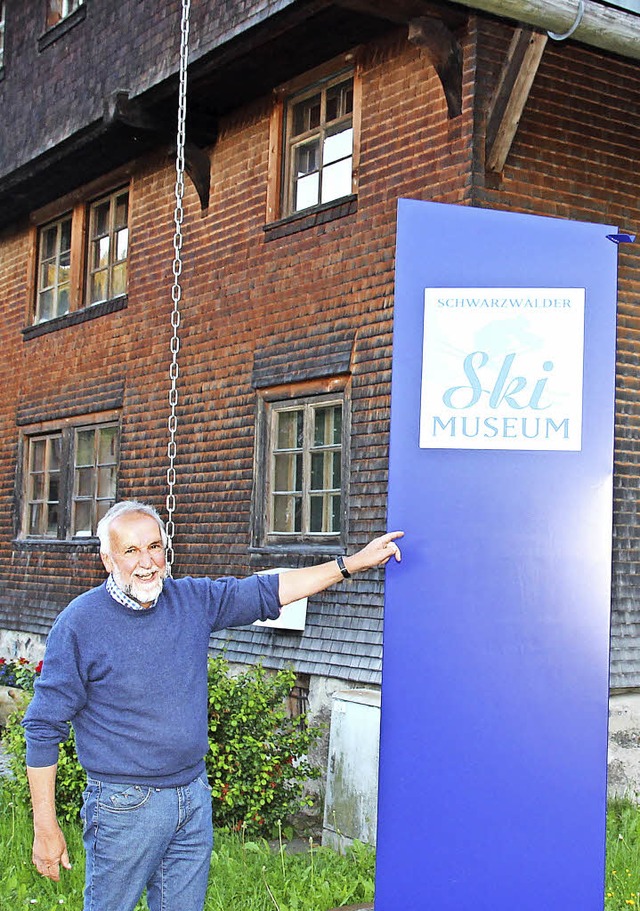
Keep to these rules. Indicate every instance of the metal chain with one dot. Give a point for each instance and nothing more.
(176, 291)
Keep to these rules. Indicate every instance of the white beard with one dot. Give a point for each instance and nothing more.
(144, 593)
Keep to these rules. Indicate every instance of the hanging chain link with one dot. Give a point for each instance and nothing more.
(176, 291)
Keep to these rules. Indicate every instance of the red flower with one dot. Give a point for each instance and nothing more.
(38, 667)
(23, 661)
(3, 660)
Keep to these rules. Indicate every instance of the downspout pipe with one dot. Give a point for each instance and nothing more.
(606, 27)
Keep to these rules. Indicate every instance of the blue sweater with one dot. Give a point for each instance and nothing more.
(134, 683)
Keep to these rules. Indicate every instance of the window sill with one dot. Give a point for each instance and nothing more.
(277, 553)
(86, 545)
(311, 218)
(75, 317)
(61, 28)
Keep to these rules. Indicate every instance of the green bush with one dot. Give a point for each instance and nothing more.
(257, 762)
(70, 780)
(19, 672)
(258, 756)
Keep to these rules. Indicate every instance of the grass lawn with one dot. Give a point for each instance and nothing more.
(245, 875)
(251, 876)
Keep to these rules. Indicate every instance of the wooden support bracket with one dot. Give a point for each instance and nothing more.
(119, 108)
(430, 28)
(518, 72)
(198, 166)
(445, 55)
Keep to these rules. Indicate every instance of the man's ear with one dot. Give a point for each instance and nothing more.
(106, 561)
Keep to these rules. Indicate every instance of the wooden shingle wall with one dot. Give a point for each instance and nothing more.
(267, 307)
(577, 155)
(55, 89)
(243, 295)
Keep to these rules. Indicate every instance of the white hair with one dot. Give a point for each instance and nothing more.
(123, 508)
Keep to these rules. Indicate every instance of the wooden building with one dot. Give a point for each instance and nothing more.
(307, 120)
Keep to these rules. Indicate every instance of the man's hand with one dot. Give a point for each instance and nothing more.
(377, 553)
(49, 846)
(302, 583)
(50, 852)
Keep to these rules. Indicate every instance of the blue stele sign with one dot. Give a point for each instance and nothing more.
(502, 368)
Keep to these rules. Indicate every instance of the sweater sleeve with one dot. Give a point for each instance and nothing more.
(60, 693)
(239, 602)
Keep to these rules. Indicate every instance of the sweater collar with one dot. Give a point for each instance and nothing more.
(122, 598)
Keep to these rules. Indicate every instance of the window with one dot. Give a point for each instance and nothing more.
(70, 480)
(95, 469)
(54, 260)
(305, 455)
(319, 145)
(60, 9)
(43, 486)
(108, 247)
(71, 277)
(2, 21)
(314, 148)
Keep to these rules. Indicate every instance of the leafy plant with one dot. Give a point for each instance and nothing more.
(258, 756)
(70, 779)
(257, 761)
(19, 672)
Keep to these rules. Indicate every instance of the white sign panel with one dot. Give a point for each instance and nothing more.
(293, 615)
(502, 368)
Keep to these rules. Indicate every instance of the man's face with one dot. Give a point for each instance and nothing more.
(136, 556)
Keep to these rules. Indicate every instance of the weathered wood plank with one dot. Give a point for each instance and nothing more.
(607, 28)
(519, 71)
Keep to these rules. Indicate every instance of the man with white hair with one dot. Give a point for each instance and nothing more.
(126, 662)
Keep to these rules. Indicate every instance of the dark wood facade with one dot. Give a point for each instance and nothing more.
(275, 307)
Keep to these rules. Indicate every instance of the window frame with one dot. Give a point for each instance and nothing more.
(55, 262)
(278, 209)
(271, 402)
(66, 432)
(69, 5)
(95, 467)
(111, 235)
(3, 31)
(318, 134)
(78, 206)
(44, 501)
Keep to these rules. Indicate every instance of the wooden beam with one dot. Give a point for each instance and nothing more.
(518, 72)
(399, 11)
(604, 27)
(445, 55)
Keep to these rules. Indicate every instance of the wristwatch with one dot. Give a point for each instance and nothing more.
(343, 569)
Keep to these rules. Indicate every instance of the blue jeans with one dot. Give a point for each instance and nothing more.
(137, 837)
